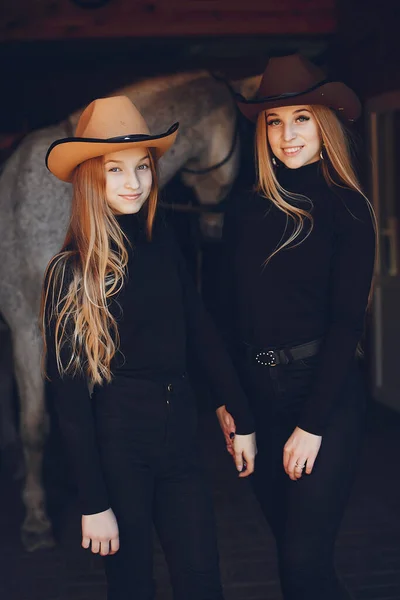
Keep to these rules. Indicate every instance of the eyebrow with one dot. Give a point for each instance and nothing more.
(294, 112)
(121, 161)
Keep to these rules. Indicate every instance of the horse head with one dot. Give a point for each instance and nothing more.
(212, 172)
(207, 149)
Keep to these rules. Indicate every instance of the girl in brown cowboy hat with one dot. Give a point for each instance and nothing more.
(119, 312)
(299, 254)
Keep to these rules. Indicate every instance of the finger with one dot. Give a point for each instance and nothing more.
(95, 546)
(290, 468)
(238, 460)
(249, 459)
(286, 459)
(230, 449)
(228, 443)
(298, 471)
(85, 542)
(249, 468)
(299, 467)
(104, 547)
(228, 439)
(114, 545)
(310, 464)
(228, 420)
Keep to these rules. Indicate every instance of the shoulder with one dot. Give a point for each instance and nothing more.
(162, 227)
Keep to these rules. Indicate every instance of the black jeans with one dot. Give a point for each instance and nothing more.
(305, 515)
(148, 441)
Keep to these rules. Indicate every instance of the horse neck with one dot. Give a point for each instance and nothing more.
(184, 97)
(145, 93)
(191, 99)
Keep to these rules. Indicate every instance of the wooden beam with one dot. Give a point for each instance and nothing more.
(63, 19)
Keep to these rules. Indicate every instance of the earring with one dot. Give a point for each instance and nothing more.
(321, 154)
(274, 161)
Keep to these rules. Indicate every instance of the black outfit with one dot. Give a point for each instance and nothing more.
(134, 444)
(315, 290)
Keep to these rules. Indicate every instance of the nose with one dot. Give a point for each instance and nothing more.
(289, 132)
(132, 181)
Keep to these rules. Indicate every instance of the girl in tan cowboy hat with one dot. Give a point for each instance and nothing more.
(299, 253)
(119, 312)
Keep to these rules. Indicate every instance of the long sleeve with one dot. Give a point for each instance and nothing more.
(72, 403)
(206, 344)
(227, 300)
(350, 282)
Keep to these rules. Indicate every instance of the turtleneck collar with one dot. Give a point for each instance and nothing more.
(132, 225)
(303, 177)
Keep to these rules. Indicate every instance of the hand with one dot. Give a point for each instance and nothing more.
(245, 450)
(301, 449)
(101, 530)
(228, 427)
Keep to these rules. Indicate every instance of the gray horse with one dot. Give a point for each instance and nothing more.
(35, 207)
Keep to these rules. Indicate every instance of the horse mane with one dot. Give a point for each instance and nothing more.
(162, 82)
(149, 85)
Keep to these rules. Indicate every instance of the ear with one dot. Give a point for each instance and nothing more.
(247, 86)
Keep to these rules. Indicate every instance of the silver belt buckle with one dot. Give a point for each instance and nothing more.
(266, 358)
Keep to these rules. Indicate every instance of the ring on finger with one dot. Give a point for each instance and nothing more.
(297, 466)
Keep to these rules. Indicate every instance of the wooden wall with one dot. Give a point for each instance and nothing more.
(65, 19)
(367, 47)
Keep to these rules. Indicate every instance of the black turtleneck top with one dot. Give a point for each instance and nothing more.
(319, 288)
(161, 319)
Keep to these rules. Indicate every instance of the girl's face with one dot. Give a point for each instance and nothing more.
(128, 180)
(293, 135)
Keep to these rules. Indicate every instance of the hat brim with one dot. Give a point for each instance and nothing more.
(66, 154)
(334, 94)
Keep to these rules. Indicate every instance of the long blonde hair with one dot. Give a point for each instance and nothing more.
(89, 270)
(337, 146)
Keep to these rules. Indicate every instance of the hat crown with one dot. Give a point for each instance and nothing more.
(288, 75)
(111, 117)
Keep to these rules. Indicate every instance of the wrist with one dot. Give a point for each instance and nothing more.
(93, 514)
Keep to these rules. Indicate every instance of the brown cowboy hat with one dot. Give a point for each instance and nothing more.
(293, 80)
(106, 125)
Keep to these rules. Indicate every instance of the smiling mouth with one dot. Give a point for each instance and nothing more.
(130, 196)
(292, 151)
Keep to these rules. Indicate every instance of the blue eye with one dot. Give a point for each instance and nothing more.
(303, 118)
(114, 169)
(273, 123)
(143, 167)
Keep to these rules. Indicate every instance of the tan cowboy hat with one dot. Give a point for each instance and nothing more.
(106, 125)
(293, 80)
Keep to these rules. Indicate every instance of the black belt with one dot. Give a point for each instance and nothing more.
(271, 357)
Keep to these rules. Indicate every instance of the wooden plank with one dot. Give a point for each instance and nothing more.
(241, 5)
(46, 20)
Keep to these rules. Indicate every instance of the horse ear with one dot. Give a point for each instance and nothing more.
(248, 86)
